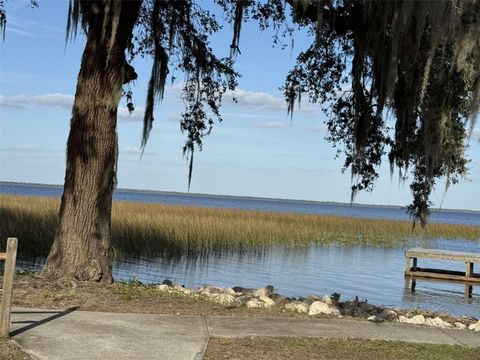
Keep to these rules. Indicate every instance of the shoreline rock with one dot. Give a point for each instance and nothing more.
(314, 305)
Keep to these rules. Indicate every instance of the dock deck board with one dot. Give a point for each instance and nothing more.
(443, 255)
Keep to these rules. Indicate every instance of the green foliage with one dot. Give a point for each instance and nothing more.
(417, 59)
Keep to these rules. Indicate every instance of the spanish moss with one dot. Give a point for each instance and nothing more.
(419, 60)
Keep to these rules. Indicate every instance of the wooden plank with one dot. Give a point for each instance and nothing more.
(443, 255)
(3, 256)
(8, 274)
(444, 276)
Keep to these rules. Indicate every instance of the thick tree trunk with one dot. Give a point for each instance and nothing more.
(82, 240)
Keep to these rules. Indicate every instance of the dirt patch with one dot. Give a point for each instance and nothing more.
(9, 350)
(287, 348)
(125, 297)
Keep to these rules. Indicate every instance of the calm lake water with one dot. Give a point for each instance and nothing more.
(371, 273)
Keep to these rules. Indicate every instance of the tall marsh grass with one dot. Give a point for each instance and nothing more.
(145, 230)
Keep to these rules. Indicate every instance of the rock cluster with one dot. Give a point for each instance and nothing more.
(475, 326)
(312, 305)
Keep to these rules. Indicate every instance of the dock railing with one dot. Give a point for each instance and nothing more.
(10, 258)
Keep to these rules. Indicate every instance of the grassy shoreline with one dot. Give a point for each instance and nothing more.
(141, 229)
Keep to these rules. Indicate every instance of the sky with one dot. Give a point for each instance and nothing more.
(256, 151)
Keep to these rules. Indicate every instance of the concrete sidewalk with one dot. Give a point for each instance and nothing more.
(70, 334)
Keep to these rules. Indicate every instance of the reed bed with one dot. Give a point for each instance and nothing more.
(148, 230)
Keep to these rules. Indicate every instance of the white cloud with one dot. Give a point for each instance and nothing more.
(24, 101)
(264, 101)
(251, 100)
(272, 125)
(255, 100)
(60, 100)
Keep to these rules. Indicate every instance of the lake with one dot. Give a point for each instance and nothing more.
(371, 273)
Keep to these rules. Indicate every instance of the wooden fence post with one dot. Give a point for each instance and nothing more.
(9, 271)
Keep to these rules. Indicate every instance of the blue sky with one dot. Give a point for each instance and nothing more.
(256, 151)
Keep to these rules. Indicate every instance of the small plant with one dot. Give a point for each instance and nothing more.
(415, 311)
(25, 272)
(335, 297)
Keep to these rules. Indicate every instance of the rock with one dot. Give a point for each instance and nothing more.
(268, 302)
(417, 319)
(474, 326)
(278, 298)
(244, 291)
(240, 300)
(297, 306)
(254, 303)
(232, 292)
(310, 299)
(318, 307)
(389, 314)
(225, 299)
(164, 287)
(212, 290)
(221, 298)
(437, 322)
(265, 291)
(238, 289)
(386, 314)
(182, 289)
(376, 318)
(460, 326)
(327, 300)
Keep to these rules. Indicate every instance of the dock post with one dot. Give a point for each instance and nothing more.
(9, 271)
(407, 266)
(469, 270)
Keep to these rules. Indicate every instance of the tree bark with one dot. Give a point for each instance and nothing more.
(82, 242)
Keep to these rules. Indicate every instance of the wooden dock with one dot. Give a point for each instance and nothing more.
(468, 277)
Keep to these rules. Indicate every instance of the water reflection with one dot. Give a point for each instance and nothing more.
(410, 289)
